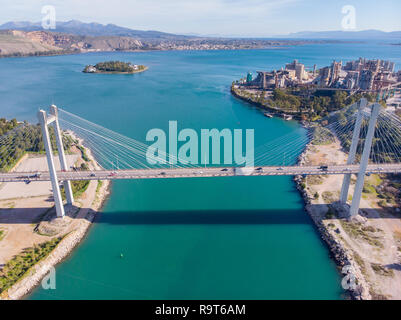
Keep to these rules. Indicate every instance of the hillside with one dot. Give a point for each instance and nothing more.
(27, 38)
(13, 43)
(21, 43)
(92, 29)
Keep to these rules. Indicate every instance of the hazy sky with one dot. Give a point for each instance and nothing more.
(214, 17)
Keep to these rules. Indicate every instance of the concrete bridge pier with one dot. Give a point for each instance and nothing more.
(58, 201)
(352, 153)
(365, 160)
(61, 154)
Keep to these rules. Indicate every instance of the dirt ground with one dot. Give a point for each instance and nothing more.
(374, 241)
(17, 190)
(23, 205)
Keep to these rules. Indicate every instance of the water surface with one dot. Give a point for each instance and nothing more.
(206, 238)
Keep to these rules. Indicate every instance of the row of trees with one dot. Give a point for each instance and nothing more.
(22, 139)
(382, 150)
(6, 126)
(313, 106)
(116, 66)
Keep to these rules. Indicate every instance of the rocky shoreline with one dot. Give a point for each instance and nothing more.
(341, 256)
(274, 111)
(77, 221)
(34, 276)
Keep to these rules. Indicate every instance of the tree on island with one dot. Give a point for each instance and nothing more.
(114, 66)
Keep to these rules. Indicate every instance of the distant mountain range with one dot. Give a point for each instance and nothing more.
(347, 35)
(24, 38)
(92, 29)
(97, 29)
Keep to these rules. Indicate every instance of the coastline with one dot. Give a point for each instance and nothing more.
(34, 276)
(274, 111)
(365, 248)
(78, 224)
(338, 252)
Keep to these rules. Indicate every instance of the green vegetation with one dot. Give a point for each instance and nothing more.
(2, 234)
(322, 136)
(285, 101)
(17, 267)
(78, 188)
(23, 138)
(381, 270)
(342, 117)
(315, 180)
(99, 185)
(115, 66)
(359, 261)
(306, 103)
(357, 231)
(39, 53)
(6, 126)
(83, 153)
(330, 197)
(330, 214)
(388, 188)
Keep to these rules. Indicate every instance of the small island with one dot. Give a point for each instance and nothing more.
(115, 67)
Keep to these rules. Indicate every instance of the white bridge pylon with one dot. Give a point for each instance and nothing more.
(374, 113)
(44, 121)
(131, 155)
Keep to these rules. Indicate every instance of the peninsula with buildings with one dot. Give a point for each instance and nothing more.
(309, 93)
(370, 243)
(115, 67)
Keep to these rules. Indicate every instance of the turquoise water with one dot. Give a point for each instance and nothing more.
(206, 238)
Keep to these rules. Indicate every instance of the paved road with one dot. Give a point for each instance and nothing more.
(197, 172)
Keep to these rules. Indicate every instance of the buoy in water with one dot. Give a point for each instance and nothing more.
(121, 255)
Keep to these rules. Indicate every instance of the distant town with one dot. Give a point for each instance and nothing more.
(362, 74)
(311, 93)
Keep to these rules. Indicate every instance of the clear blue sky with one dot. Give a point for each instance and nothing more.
(215, 17)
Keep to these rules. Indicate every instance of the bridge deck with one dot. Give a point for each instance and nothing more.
(196, 172)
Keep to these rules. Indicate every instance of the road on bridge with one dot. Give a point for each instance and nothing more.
(197, 172)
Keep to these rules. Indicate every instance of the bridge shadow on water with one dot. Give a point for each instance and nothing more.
(205, 217)
(189, 217)
(210, 217)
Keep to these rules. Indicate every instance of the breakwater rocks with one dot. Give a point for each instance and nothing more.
(358, 289)
(353, 280)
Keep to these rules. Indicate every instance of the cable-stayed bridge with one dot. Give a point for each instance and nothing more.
(368, 133)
